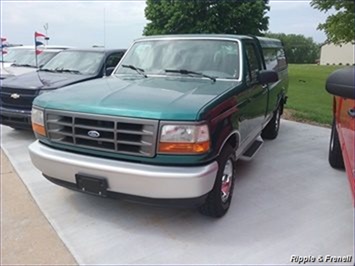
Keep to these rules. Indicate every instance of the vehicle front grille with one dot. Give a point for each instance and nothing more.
(17, 98)
(100, 132)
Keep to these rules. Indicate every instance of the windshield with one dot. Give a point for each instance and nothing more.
(27, 57)
(211, 57)
(12, 54)
(83, 62)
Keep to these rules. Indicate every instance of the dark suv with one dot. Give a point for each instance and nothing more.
(68, 67)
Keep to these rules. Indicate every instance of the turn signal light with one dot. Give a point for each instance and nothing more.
(39, 129)
(183, 148)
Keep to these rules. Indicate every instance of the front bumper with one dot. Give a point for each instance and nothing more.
(135, 179)
(15, 118)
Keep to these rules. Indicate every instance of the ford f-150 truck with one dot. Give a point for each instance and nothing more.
(169, 124)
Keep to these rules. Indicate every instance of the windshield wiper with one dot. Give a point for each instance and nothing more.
(61, 70)
(47, 70)
(22, 65)
(137, 69)
(188, 72)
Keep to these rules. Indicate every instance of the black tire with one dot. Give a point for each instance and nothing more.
(272, 128)
(335, 155)
(217, 202)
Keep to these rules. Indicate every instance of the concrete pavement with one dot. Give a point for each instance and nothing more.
(288, 201)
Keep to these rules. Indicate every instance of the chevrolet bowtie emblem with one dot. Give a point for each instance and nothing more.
(15, 96)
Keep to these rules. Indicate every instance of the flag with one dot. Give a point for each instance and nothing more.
(38, 43)
(37, 34)
(3, 45)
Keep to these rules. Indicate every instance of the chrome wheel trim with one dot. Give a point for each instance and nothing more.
(227, 180)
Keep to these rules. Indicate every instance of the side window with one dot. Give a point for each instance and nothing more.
(281, 59)
(253, 63)
(113, 60)
(271, 59)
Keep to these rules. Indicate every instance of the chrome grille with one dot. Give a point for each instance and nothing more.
(117, 134)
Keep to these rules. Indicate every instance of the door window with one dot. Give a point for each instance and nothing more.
(113, 60)
(253, 62)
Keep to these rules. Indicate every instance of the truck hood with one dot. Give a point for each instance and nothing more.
(168, 98)
(16, 71)
(43, 80)
(5, 72)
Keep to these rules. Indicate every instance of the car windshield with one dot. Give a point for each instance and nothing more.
(27, 57)
(217, 58)
(83, 62)
(11, 54)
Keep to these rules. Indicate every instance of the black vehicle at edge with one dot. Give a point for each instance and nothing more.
(18, 93)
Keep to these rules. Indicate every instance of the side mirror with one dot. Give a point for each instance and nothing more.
(341, 83)
(268, 76)
(109, 70)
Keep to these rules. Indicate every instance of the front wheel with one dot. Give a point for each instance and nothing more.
(335, 155)
(219, 199)
(272, 128)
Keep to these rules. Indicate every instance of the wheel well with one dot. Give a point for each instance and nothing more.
(282, 103)
(232, 140)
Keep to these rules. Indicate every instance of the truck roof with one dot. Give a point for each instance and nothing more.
(45, 47)
(265, 42)
(99, 50)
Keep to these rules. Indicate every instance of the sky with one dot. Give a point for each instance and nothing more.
(117, 23)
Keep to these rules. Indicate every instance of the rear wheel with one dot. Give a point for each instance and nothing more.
(219, 199)
(272, 128)
(335, 155)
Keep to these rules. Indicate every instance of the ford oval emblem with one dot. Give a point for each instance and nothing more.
(93, 134)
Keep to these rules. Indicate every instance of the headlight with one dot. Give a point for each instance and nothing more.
(37, 117)
(186, 139)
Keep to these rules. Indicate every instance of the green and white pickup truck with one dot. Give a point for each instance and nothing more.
(169, 124)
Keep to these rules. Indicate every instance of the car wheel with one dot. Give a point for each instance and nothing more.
(272, 128)
(335, 155)
(219, 199)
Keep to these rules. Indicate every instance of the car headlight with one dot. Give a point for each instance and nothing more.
(37, 117)
(184, 139)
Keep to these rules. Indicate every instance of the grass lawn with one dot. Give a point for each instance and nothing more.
(308, 100)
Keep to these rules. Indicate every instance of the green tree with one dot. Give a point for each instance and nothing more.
(298, 48)
(339, 27)
(206, 16)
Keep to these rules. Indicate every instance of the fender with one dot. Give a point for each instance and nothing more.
(234, 137)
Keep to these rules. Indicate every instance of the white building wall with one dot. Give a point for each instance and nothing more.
(337, 54)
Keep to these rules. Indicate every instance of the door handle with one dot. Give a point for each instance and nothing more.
(351, 112)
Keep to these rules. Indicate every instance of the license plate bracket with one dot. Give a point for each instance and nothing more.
(92, 184)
